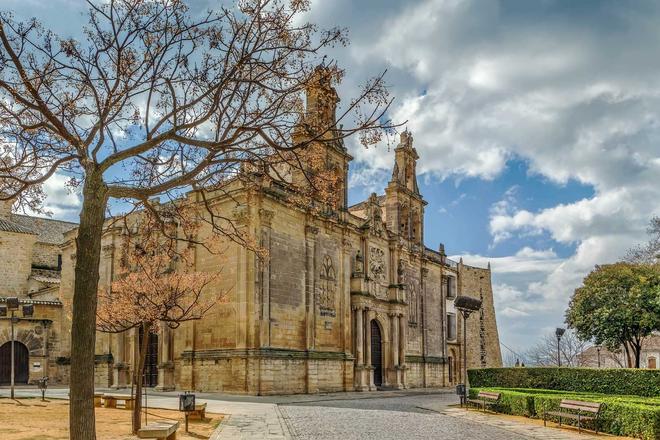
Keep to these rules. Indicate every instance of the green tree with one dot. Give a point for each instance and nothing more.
(617, 306)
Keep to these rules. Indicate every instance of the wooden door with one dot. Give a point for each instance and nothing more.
(21, 363)
(150, 376)
(376, 353)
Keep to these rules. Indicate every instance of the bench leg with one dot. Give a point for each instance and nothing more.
(579, 428)
(97, 402)
(129, 404)
(172, 436)
(110, 403)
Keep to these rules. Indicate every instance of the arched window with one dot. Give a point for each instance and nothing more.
(413, 304)
(327, 288)
(652, 363)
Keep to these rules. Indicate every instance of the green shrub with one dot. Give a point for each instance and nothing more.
(621, 381)
(621, 415)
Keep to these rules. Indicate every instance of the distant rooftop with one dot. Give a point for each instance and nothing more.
(48, 230)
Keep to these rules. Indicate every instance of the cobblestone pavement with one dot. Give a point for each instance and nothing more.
(408, 417)
(384, 419)
(410, 414)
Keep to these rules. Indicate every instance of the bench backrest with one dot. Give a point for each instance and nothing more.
(579, 405)
(488, 395)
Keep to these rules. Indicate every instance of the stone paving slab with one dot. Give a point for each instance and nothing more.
(527, 429)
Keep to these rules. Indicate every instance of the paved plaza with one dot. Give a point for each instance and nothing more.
(411, 414)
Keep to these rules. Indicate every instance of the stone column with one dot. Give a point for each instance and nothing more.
(403, 322)
(265, 324)
(120, 368)
(367, 349)
(311, 233)
(394, 320)
(165, 366)
(359, 335)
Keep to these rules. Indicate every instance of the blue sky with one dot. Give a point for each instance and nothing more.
(537, 125)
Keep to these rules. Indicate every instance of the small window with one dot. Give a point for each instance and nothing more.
(652, 363)
(451, 326)
(59, 261)
(451, 287)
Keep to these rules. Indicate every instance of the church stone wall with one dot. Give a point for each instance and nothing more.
(17, 249)
(483, 347)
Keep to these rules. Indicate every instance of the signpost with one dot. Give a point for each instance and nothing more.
(466, 305)
(187, 404)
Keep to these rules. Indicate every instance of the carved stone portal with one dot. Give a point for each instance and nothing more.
(378, 287)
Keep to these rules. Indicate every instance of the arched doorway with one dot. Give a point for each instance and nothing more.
(21, 363)
(376, 353)
(150, 376)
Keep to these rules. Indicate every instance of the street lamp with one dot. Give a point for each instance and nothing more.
(466, 305)
(559, 332)
(598, 352)
(12, 305)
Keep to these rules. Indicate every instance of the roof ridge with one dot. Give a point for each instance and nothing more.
(45, 218)
(9, 226)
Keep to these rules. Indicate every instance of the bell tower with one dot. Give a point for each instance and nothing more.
(404, 203)
(327, 153)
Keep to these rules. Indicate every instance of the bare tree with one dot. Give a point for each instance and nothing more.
(544, 352)
(649, 252)
(155, 100)
(156, 285)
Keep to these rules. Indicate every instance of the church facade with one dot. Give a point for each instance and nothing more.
(344, 302)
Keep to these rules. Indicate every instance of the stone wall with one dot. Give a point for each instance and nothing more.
(16, 258)
(483, 348)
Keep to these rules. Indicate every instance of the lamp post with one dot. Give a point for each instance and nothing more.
(598, 353)
(559, 332)
(12, 305)
(466, 305)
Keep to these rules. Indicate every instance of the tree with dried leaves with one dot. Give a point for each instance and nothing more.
(155, 286)
(650, 251)
(544, 353)
(153, 99)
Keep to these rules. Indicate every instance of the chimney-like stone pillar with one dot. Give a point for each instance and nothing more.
(5, 208)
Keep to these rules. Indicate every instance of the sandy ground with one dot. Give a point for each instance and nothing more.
(32, 419)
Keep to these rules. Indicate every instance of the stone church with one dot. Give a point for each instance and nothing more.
(349, 301)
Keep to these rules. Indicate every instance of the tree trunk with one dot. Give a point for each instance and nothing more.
(139, 373)
(628, 358)
(637, 350)
(83, 321)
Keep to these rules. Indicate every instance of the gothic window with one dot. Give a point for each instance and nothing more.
(404, 229)
(451, 326)
(416, 226)
(328, 287)
(413, 305)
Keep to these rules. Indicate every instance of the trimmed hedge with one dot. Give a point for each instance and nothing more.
(621, 381)
(622, 415)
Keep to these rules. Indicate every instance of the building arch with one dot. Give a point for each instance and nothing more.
(21, 363)
(31, 338)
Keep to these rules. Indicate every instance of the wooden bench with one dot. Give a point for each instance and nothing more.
(199, 412)
(97, 399)
(162, 430)
(485, 398)
(110, 400)
(581, 411)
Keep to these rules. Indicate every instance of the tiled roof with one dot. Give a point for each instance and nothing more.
(9, 226)
(49, 231)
